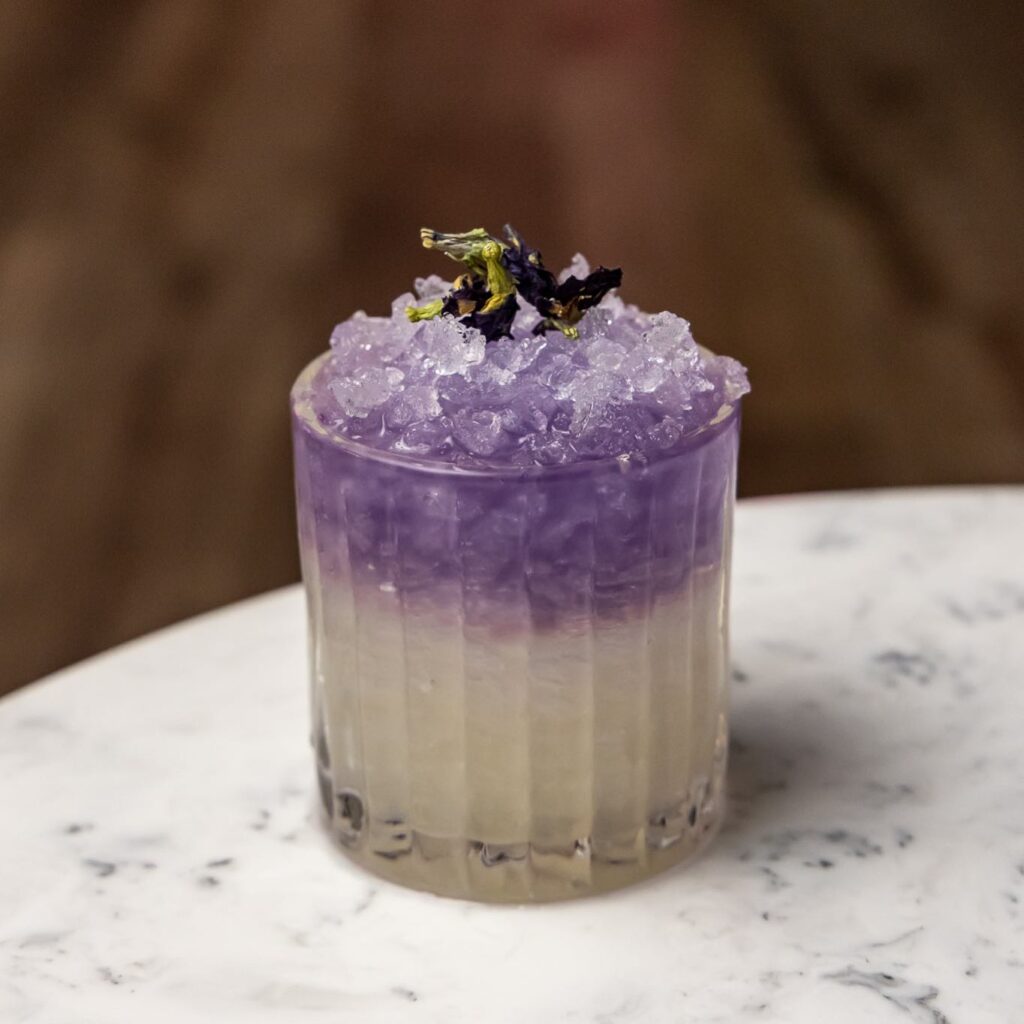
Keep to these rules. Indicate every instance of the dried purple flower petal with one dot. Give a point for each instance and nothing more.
(535, 282)
(494, 322)
(561, 305)
(472, 302)
(469, 293)
(573, 297)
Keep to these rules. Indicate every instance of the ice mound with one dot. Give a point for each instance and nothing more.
(633, 384)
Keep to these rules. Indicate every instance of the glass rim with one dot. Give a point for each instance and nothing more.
(688, 443)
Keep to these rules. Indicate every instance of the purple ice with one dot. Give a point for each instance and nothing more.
(633, 384)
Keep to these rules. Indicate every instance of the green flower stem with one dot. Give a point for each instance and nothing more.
(499, 280)
(425, 312)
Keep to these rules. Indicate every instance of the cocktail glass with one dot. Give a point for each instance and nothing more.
(519, 676)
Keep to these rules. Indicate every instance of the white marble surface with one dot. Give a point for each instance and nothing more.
(162, 860)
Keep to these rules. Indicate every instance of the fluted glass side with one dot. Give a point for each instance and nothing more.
(518, 677)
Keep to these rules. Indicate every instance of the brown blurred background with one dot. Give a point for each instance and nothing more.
(192, 192)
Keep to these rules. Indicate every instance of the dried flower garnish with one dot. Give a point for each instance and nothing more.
(485, 296)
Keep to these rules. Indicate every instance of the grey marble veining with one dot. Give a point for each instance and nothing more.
(162, 860)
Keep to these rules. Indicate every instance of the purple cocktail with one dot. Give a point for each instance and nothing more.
(516, 557)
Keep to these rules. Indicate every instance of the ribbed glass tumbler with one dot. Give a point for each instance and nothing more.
(519, 676)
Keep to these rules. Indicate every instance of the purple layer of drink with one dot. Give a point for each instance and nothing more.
(516, 559)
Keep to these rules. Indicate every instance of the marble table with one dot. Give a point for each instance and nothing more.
(162, 859)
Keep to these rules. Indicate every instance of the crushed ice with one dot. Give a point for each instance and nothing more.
(633, 383)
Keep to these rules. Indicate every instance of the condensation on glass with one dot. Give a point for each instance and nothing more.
(519, 677)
